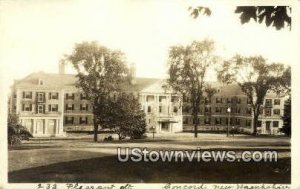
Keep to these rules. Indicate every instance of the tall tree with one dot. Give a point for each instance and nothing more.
(287, 115)
(275, 16)
(188, 66)
(256, 78)
(100, 71)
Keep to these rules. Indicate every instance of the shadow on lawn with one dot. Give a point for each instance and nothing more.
(109, 170)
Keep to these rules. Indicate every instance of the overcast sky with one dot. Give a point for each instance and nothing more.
(34, 35)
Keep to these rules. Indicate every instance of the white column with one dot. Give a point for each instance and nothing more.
(45, 126)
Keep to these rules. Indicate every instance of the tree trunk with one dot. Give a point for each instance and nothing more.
(255, 120)
(195, 126)
(95, 132)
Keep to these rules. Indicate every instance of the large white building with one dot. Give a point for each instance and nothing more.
(50, 105)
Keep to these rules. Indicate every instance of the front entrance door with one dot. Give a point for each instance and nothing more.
(165, 127)
(39, 126)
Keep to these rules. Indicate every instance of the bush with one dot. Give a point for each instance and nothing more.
(17, 133)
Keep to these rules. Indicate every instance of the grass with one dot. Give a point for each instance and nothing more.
(109, 170)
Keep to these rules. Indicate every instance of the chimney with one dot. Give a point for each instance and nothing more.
(61, 68)
(132, 73)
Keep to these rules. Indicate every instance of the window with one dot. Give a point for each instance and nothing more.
(275, 123)
(248, 100)
(69, 120)
(186, 120)
(218, 121)
(207, 109)
(53, 96)
(218, 109)
(84, 107)
(229, 100)
(237, 121)
(70, 96)
(239, 100)
(277, 102)
(69, 107)
(83, 120)
(160, 109)
(27, 107)
(53, 107)
(267, 112)
(185, 98)
(40, 97)
(186, 109)
(174, 99)
(218, 100)
(196, 121)
(175, 109)
(248, 123)
(162, 98)
(150, 98)
(27, 95)
(230, 121)
(207, 121)
(82, 96)
(149, 109)
(207, 100)
(41, 82)
(40, 109)
(276, 111)
(238, 110)
(268, 102)
(149, 121)
(249, 110)
(259, 123)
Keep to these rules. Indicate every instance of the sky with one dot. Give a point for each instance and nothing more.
(34, 35)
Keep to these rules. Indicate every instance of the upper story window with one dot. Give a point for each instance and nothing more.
(40, 108)
(40, 97)
(27, 107)
(277, 102)
(268, 112)
(70, 96)
(83, 96)
(229, 100)
(249, 110)
(218, 100)
(249, 100)
(150, 98)
(174, 99)
(40, 82)
(207, 100)
(268, 102)
(53, 96)
(207, 109)
(84, 107)
(238, 110)
(162, 98)
(53, 108)
(276, 111)
(27, 94)
(69, 107)
(218, 109)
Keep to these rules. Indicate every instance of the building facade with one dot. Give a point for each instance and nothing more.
(50, 105)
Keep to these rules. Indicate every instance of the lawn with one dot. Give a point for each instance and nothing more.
(81, 160)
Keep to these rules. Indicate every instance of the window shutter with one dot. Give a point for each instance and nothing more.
(23, 94)
(87, 107)
(30, 107)
(72, 106)
(23, 107)
(49, 108)
(57, 96)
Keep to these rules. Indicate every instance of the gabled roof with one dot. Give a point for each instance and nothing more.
(67, 81)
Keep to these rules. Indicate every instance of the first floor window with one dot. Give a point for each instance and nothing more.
(207, 121)
(218, 121)
(69, 120)
(276, 111)
(149, 109)
(275, 123)
(248, 123)
(83, 120)
(186, 120)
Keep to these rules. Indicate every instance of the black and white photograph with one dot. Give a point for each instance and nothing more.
(170, 94)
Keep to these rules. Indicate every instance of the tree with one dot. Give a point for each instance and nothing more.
(256, 78)
(275, 16)
(100, 72)
(16, 132)
(188, 66)
(125, 116)
(286, 129)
